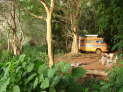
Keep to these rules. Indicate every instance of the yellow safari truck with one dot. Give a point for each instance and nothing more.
(92, 43)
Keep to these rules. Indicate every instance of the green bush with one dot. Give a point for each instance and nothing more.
(29, 72)
(32, 50)
(24, 74)
(92, 85)
(5, 55)
(115, 83)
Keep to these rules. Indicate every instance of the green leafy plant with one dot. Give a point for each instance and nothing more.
(115, 82)
(24, 74)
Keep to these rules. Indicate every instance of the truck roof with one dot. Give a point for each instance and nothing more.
(89, 35)
(92, 37)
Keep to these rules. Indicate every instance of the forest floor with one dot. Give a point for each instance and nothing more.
(89, 61)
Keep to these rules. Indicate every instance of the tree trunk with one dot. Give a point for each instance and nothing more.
(14, 49)
(49, 38)
(8, 41)
(74, 48)
(14, 43)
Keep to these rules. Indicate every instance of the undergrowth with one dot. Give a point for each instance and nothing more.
(29, 72)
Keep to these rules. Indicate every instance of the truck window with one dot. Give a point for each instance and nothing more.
(90, 41)
(100, 41)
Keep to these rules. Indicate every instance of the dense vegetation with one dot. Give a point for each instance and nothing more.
(29, 72)
(33, 32)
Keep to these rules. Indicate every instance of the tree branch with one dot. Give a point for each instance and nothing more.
(52, 5)
(45, 5)
(34, 15)
(30, 13)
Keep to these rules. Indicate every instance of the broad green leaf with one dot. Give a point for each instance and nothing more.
(42, 68)
(55, 81)
(51, 72)
(45, 83)
(63, 66)
(52, 89)
(30, 67)
(78, 72)
(4, 84)
(16, 88)
(30, 78)
(24, 64)
(18, 69)
(22, 57)
(41, 78)
(35, 83)
(66, 68)
(6, 70)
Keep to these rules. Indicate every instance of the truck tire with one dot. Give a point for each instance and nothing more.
(98, 51)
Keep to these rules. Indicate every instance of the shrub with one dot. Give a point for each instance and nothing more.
(5, 55)
(24, 74)
(115, 81)
(92, 85)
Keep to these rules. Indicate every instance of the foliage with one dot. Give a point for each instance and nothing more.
(29, 72)
(5, 55)
(92, 85)
(88, 21)
(109, 21)
(34, 50)
(115, 83)
(26, 74)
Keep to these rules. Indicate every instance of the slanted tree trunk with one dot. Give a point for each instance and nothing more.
(74, 48)
(49, 37)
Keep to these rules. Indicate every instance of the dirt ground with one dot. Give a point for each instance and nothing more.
(89, 61)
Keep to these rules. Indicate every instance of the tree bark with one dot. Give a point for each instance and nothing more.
(49, 38)
(16, 42)
(74, 48)
(49, 11)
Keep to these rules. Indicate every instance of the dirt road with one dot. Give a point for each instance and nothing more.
(89, 61)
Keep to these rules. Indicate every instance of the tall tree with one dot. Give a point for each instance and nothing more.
(49, 11)
(16, 42)
(11, 22)
(48, 5)
(72, 14)
(74, 19)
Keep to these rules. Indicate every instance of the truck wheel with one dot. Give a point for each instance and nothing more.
(98, 51)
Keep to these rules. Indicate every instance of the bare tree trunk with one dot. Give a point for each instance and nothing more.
(14, 29)
(74, 48)
(49, 11)
(15, 47)
(49, 38)
(8, 43)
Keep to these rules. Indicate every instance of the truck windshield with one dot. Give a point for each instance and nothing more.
(100, 41)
